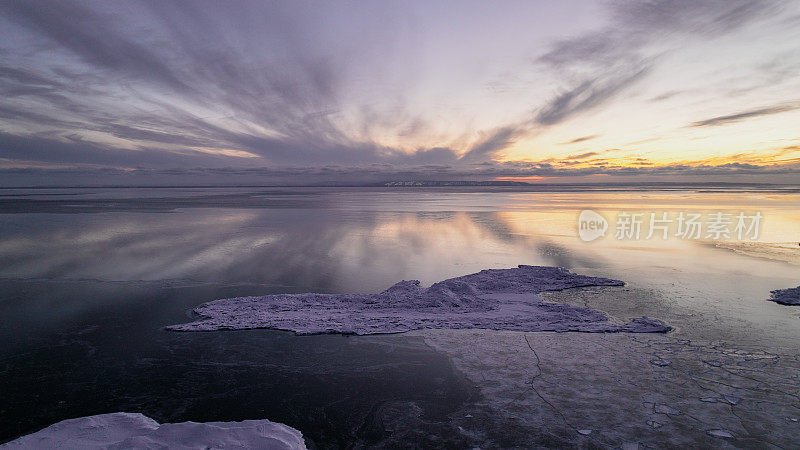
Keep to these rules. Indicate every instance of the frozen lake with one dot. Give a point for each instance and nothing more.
(91, 276)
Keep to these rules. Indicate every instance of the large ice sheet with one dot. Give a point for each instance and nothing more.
(133, 430)
(497, 299)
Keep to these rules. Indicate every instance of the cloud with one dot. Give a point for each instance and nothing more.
(78, 151)
(588, 94)
(580, 139)
(601, 64)
(377, 174)
(173, 85)
(723, 120)
(709, 17)
(607, 61)
(93, 37)
(665, 96)
(494, 142)
(634, 25)
(279, 101)
(582, 156)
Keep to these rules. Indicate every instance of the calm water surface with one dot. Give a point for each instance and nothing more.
(88, 278)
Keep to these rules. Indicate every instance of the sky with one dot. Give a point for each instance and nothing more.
(313, 92)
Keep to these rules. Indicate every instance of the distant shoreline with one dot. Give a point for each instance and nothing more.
(709, 186)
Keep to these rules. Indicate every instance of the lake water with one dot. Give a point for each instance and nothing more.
(90, 276)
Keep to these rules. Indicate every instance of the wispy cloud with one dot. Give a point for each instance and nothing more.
(751, 114)
(581, 156)
(587, 95)
(580, 139)
(494, 142)
(92, 37)
(607, 61)
(176, 86)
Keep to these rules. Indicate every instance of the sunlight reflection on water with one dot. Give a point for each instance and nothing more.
(364, 240)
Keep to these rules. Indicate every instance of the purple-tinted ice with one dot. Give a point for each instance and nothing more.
(786, 296)
(133, 430)
(497, 299)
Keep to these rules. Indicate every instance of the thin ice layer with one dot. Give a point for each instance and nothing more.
(496, 299)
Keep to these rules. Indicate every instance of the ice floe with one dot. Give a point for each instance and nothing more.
(132, 430)
(496, 299)
(786, 296)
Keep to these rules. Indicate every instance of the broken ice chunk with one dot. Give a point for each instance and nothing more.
(497, 299)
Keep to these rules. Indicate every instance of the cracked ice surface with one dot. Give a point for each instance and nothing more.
(133, 430)
(786, 296)
(497, 299)
(548, 390)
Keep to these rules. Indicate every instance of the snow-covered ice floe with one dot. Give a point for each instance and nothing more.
(786, 296)
(497, 299)
(132, 430)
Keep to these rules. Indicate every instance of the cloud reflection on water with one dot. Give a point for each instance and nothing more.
(302, 249)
